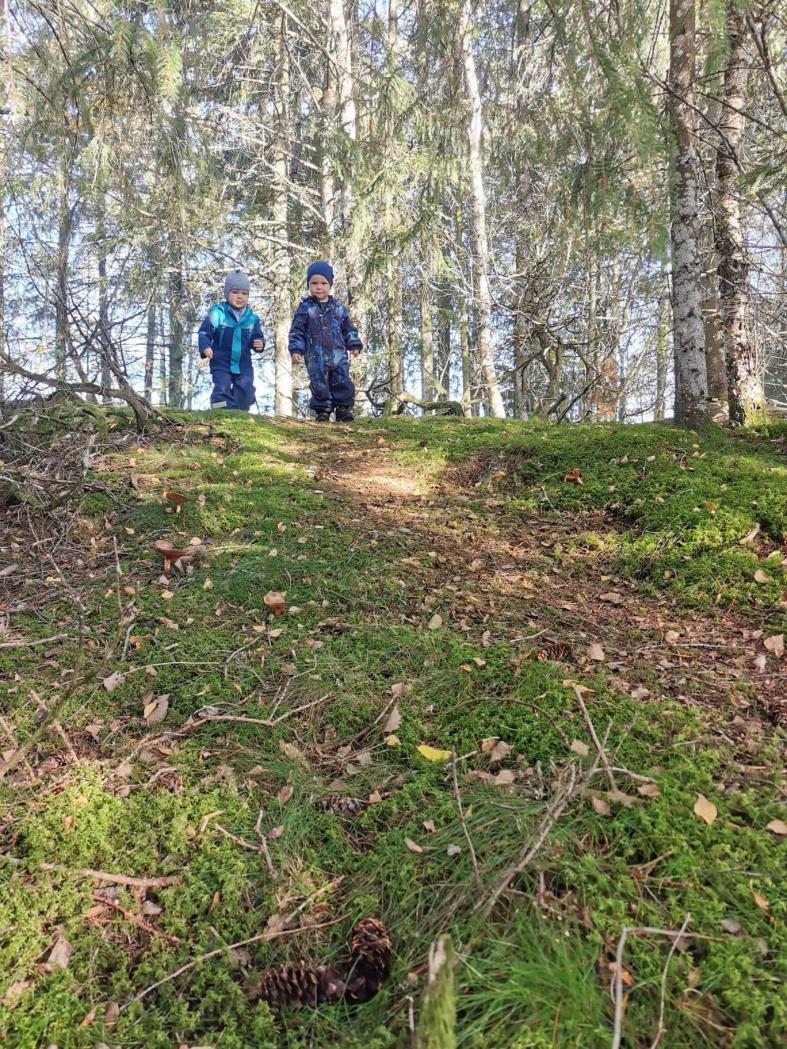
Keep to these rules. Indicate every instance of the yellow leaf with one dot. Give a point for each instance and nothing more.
(705, 809)
(431, 754)
(436, 621)
(392, 741)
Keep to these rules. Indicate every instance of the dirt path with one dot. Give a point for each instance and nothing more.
(546, 584)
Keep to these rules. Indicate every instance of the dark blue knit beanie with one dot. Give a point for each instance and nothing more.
(320, 269)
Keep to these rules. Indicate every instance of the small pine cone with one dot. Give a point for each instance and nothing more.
(295, 985)
(370, 959)
(345, 806)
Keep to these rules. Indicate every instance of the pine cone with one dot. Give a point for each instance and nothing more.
(344, 806)
(370, 959)
(295, 985)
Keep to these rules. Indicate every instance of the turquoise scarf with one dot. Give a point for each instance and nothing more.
(222, 316)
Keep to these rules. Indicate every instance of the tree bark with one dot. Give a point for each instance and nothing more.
(176, 333)
(427, 341)
(282, 359)
(481, 244)
(746, 397)
(662, 332)
(691, 378)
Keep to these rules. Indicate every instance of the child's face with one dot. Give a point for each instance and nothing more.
(238, 298)
(319, 287)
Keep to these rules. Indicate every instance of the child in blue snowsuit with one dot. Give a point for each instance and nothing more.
(226, 337)
(322, 333)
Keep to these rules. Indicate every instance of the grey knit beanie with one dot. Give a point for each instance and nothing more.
(236, 281)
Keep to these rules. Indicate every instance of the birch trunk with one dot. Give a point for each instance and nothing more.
(393, 270)
(662, 331)
(691, 378)
(746, 396)
(427, 341)
(481, 245)
(282, 359)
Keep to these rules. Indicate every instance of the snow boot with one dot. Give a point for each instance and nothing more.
(322, 417)
(344, 414)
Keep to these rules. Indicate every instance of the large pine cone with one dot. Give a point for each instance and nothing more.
(295, 985)
(370, 959)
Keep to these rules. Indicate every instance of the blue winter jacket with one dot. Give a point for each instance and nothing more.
(230, 337)
(322, 325)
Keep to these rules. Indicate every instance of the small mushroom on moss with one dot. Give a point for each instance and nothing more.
(177, 498)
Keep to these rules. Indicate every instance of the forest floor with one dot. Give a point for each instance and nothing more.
(530, 712)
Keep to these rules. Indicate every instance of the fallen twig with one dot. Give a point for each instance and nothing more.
(272, 933)
(264, 847)
(38, 641)
(87, 872)
(594, 736)
(138, 920)
(643, 930)
(462, 820)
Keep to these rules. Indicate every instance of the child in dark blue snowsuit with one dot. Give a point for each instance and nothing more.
(322, 333)
(226, 337)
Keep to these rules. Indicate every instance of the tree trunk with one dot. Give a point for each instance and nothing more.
(176, 333)
(691, 378)
(442, 371)
(282, 359)
(437, 1022)
(65, 226)
(150, 348)
(427, 342)
(393, 265)
(481, 245)
(104, 342)
(662, 333)
(746, 396)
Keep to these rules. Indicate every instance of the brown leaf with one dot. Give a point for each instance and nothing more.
(649, 790)
(275, 601)
(574, 476)
(111, 683)
(429, 826)
(671, 637)
(436, 621)
(499, 753)
(289, 750)
(705, 809)
(285, 793)
(596, 652)
(156, 710)
(504, 778)
(601, 807)
(731, 926)
(400, 689)
(453, 850)
(488, 744)
(412, 846)
(578, 747)
(16, 990)
(394, 720)
(61, 952)
(761, 577)
(111, 1014)
(761, 902)
(777, 827)
(612, 598)
(750, 537)
(775, 644)
(275, 833)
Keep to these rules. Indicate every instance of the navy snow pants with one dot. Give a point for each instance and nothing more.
(330, 380)
(231, 391)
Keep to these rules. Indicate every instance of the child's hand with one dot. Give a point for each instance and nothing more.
(258, 345)
(208, 354)
(297, 358)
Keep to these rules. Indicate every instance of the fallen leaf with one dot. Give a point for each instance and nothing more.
(392, 741)
(375, 797)
(274, 600)
(731, 926)
(500, 752)
(775, 644)
(431, 754)
(595, 651)
(601, 807)
(761, 902)
(169, 623)
(111, 683)
(208, 584)
(61, 952)
(428, 825)
(612, 598)
(111, 1014)
(285, 793)
(671, 637)
(504, 778)
(620, 797)
(16, 990)
(275, 833)
(156, 710)
(649, 790)
(436, 621)
(453, 850)
(488, 744)
(705, 809)
(761, 577)
(578, 747)
(411, 845)
(574, 476)
(289, 750)
(394, 720)
(400, 689)
(760, 662)
(750, 536)
(777, 827)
